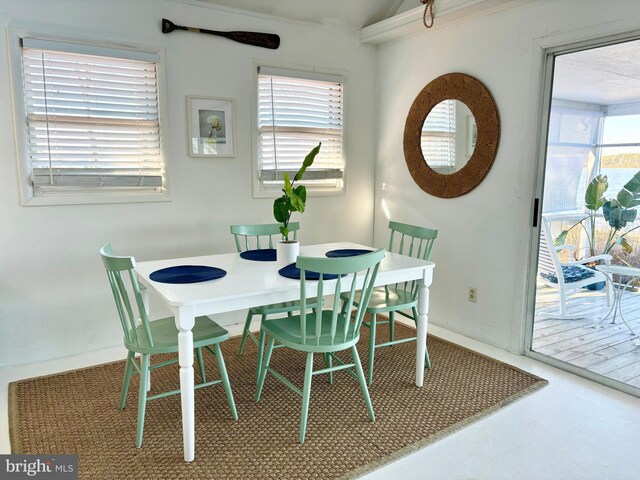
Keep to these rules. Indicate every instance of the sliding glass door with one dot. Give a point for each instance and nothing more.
(586, 308)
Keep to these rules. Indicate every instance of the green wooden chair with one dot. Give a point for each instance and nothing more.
(259, 236)
(249, 237)
(415, 242)
(154, 337)
(324, 331)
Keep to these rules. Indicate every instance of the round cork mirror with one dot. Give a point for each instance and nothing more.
(451, 135)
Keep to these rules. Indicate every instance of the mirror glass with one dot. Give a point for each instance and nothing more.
(448, 136)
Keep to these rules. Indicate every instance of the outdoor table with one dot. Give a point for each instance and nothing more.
(609, 271)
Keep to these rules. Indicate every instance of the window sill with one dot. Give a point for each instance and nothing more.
(94, 198)
(276, 192)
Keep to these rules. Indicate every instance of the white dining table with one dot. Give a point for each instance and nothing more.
(252, 283)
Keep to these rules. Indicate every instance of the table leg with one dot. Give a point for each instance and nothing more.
(422, 324)
(620, 306)
(145, 301)
(616, 300)
(185, 320)
(617, 304)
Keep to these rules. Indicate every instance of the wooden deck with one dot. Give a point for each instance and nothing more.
(608, 349)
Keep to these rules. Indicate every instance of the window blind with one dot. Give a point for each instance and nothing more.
(92, 119)
(294, 114)
(438, 140)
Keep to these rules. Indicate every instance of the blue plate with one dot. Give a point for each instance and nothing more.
(347, 252)
(291, 271)
(262, 255)
(187, 274)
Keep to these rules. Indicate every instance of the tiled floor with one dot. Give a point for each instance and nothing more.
(571, 429)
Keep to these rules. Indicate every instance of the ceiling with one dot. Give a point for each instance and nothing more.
(605, 76)
(348, 13)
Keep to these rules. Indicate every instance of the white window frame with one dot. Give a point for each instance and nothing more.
(259, 190)
(27, 196)
(444, 167)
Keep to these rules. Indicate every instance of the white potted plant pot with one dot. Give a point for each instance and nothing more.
(287, 252)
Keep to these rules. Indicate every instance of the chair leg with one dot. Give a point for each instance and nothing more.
(391, 326)
(363, 384)
(328, 363)
(343, 308)
(149, 378)
(427, 360)
(225, 380)
(203, 375)
(563, 300)
(245, 331)
(263, 368)
(128, 371)
(372, 347)
(306, 393)
(142, 396)
(260, 354)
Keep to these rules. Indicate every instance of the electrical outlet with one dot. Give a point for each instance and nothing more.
(473, 294)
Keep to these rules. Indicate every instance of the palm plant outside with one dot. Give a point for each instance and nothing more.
(618, 212)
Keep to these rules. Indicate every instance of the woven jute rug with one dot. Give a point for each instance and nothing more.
(76, 412)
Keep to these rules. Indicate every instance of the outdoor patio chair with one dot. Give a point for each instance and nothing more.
(567, 277)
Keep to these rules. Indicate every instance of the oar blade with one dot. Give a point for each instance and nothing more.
(257, 39)
(168, 26)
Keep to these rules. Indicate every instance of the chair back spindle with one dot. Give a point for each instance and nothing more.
(413, 241)
(129, 317)
(250, 237)
(548, 261)
(361, 272)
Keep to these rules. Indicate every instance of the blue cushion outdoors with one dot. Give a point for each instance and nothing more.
(571, 273)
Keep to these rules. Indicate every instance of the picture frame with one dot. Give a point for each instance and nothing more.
(472, 134)
(210, 127)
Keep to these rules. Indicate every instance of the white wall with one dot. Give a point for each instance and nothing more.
(54, 296)
(483, 236)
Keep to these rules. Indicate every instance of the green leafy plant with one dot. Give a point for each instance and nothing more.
(618, 212)
(294, 198)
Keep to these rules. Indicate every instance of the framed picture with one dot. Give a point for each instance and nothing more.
(472, 134)
(210, 127)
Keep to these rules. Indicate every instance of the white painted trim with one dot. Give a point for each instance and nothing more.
(445, 12)
(544, 64)
(544, 50)
(591, 36)
(27, 198)
(257, 190)
(583, 372)
(623, 109)
(265, 16)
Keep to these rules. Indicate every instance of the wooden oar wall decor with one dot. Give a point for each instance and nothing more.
(257, 39)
